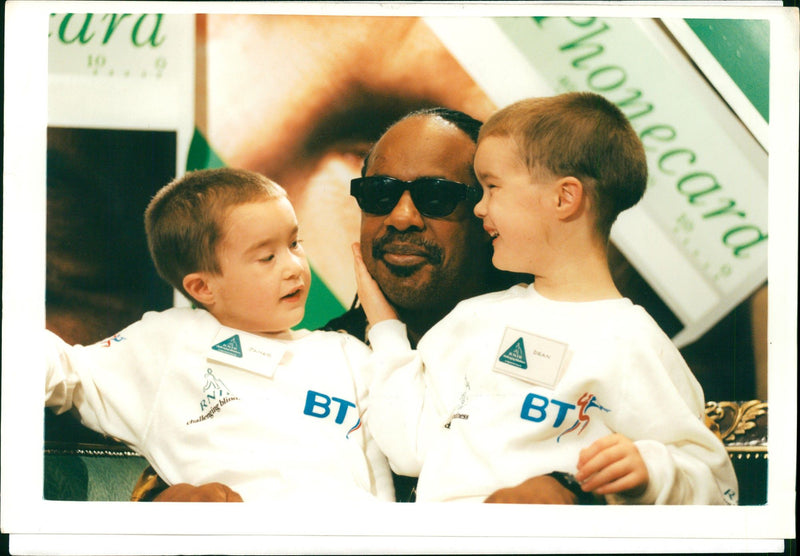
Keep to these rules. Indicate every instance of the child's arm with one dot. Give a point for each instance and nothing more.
(659, 406)
(76, 379)
(398, 410)
(358, 354)
(112, 384)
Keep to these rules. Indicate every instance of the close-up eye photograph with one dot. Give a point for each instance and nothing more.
(400, 277)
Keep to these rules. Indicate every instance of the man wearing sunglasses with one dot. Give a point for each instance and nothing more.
(419, 237)
(426, 249)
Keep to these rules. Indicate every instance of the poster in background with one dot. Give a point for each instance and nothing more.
(691, 252)
(699, 236)
(120, 119)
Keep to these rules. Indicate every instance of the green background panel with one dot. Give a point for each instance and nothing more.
(201, 156)
(741, 46)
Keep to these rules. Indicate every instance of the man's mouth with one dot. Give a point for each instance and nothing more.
(406, 251)
(404, 254)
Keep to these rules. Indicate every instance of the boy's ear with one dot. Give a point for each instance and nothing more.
(197, 284)
(570, 197)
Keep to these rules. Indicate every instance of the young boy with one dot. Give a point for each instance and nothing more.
(227, 392)
(564, 375)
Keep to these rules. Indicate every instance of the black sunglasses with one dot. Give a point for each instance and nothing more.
(433, 197)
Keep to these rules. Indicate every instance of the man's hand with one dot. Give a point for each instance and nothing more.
(375, 305)
(612, 465)
(210, 492)
(537, 490)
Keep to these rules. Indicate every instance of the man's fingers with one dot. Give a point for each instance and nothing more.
(497, 497)
(210, 492)
(541, 489)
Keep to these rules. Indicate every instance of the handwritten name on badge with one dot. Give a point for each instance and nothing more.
(246, 351)
(530, 357)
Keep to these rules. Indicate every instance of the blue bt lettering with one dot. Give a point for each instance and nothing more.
(534, 408)
(312, 403)
(319, 405)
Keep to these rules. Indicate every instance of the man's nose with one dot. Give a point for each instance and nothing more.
(405, 215)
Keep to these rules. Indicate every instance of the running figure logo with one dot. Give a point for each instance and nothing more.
(214, 386)
(586, 401)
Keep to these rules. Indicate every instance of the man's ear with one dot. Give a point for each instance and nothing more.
(198, 285)
(570, 197)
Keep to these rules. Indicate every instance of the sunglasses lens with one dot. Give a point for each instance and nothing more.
(377, 194)
(436, 198)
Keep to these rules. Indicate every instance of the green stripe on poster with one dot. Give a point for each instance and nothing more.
(741, 46)
(201, 156)
(322, 305)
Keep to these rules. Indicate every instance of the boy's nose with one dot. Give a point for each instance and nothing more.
(294, 266)
(480, 208)
(405, 215)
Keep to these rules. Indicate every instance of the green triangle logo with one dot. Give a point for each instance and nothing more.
(231, 346)
(515, 355)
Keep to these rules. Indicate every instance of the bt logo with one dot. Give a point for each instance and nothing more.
(535, 408)
(116, 338)
(319, 405)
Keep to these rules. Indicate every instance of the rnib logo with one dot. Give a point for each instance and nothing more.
(216, 395)
(231, 346)
(214, 390)
(515, 355)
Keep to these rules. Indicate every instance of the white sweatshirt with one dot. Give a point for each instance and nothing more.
(511, 385)
(274, 420)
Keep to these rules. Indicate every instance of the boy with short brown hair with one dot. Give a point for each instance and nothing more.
(227, 392)
(564, 375)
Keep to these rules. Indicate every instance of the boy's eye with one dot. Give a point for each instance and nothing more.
(266, 259)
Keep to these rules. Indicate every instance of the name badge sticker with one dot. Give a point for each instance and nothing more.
(246, 351)
(531, 358)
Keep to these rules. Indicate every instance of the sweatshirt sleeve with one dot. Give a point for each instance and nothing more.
(112, 384)
(664, 409)
(380, 475)
(402, 409)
